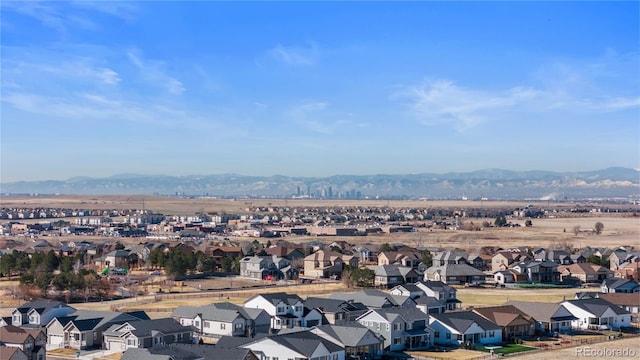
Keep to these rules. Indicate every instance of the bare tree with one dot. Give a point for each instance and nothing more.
(599, 227)
(576, 230)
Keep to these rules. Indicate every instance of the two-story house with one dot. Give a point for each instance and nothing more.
(29, 341)
(615, 285)
(402, 328)
(266, 268)
(504, 259)
(336, 311)
(39, 313)
(325, 263)
(538, 271)
(445, 294)
(584, 273)
(456, 274)
(300, 345)
(389, 276)
(286, 310)
(357, 341)
(223, 319)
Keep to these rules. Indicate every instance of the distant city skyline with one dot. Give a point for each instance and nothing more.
(316, 89)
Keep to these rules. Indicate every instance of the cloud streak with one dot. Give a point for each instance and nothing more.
(153, 71)
(294, 55)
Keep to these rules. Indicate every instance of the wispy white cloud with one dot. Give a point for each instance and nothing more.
(443, 102)
(63, 16)
(153, 71)
(592, 86)
(294, 55)
(318, 117)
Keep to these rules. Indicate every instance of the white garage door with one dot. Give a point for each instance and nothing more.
(116, 345)
(55, 342)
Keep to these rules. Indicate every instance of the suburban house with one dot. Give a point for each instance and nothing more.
(336, 311)
(12, 353)
(628, 271)
(620, 258)
(221, 252)
(627, 301)
(375, 299)
(597, 314)
(301, 345)
(458, 274)
(450, 257)
(286, 310)
(39, 313)
(326, 263)
(615, 285)
(30, 341)
(550, 317)
(504, 259)
(584, 273)
(358, 341)
(401, 258)
(146, 334)
(266, 268)
(388, 276)
(464, 327)
(444, 293)
(560, 257)
(286, 252)
(401, 328)
(514, 323)
(83, 329)
(410, 290)
(537, 271)
(188, 352)
(223, 319)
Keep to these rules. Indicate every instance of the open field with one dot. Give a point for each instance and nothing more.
(555, 231)
(616, 349)
(496, 296)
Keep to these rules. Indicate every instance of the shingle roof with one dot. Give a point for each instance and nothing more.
(349, 334)
(304, 342)
(13, 334)
(597, 306)
(462, 320)
(541, 311)
(275, 298)
(503, 315)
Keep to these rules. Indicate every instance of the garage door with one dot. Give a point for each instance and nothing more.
(116, 345)
(55, 342)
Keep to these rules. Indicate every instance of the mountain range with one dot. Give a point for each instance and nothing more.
(612, 182)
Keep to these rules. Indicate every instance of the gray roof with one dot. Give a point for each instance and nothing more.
(408, 314)
(544, 312)
(40, 306)
(145, 328)
(437, 286)
(598, 306)
(350, 334)
(333, 305)
(455, 270)
(275, 298)
(304, 342)
(370, 298)
(462, 320)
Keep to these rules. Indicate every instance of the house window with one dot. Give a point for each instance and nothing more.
(197, 323)
(280, 309)
(448, 335)
(387, 326)
(298, 308)
(492, 333)
(378, 326)
(131, 342)
(238, 326)
(222, 326)
(437, 334)
(335, 356)
(179, 337)
(396, 341)
(40, 357)
(207, 324)
(76, 337)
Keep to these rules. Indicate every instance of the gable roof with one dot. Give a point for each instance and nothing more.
(503, 315)
(333, 305)
(622, 299)
(462, 320)
(275, 298)
(13, 334)
(541, 311)
(40, 306)
(303, 342)
(391, 314)
(597, 306)
(349, 334)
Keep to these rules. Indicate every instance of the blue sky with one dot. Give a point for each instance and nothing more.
(317, 88)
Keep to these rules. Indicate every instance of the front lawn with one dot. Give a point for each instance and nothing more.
(507, 349)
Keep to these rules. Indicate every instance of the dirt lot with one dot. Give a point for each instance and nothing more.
(626, 348)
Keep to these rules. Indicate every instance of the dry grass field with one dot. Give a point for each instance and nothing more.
(549, 232)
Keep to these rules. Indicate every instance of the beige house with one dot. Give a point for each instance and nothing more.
(585, 272)
(503, 259)
(326, 263)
